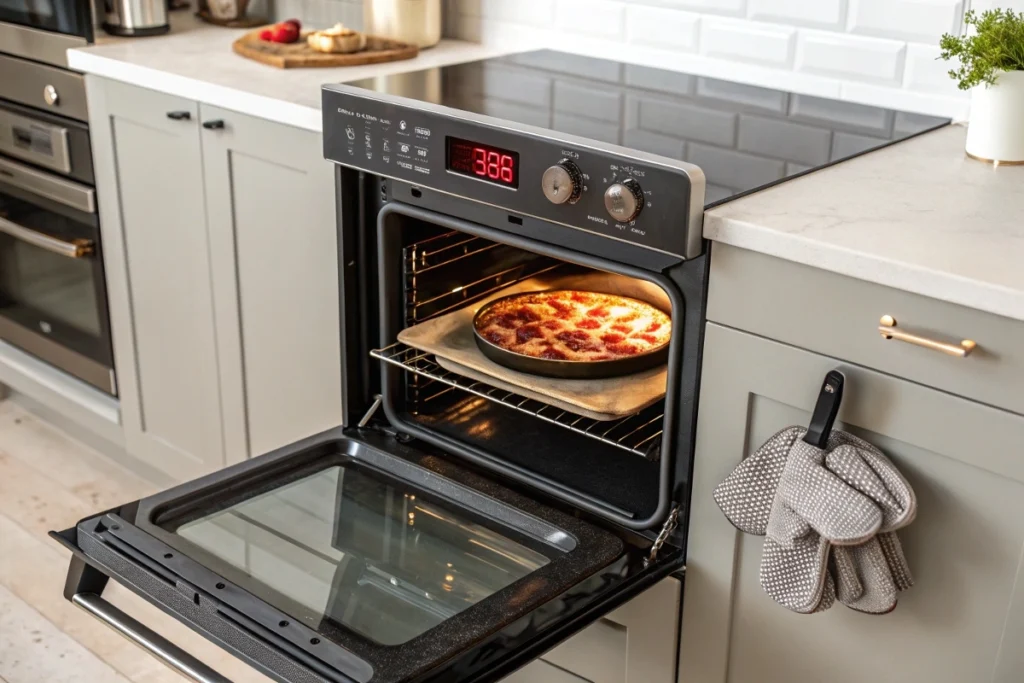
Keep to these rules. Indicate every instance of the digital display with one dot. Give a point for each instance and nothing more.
(483, 162)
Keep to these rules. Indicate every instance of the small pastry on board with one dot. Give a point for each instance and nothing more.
(337, 39)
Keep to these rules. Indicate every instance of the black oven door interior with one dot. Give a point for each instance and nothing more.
(352, 556)
(52, 290)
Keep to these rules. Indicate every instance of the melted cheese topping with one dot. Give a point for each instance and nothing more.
(574, 325)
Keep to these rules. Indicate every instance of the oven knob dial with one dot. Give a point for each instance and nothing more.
(50, 95)
(624, 200)
(562, 183)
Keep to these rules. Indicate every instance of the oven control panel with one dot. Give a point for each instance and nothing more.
(654, 203)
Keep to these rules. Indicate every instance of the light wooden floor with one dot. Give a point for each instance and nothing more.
(48, 481)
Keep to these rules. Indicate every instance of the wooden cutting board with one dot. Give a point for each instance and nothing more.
(450, 338)
(299, 55)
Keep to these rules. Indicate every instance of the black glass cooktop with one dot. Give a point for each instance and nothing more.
(743, 137)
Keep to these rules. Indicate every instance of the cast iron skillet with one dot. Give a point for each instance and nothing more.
(565, 369)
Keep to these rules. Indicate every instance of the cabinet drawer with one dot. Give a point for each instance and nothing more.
(636, 643)
(840, 316)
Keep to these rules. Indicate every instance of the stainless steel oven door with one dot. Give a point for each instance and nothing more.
(52, 288)
(44, 31)
(354, 556)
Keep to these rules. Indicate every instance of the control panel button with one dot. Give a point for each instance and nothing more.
(624, 200)
(562, 183)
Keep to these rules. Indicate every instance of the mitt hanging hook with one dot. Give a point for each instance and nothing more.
(826, 409)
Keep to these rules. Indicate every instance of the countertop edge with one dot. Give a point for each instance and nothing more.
(862, 266)
(270, 108)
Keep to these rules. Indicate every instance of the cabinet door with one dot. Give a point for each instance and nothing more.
(634, 644)
(270, 203)
(964, 618)
(151, 197)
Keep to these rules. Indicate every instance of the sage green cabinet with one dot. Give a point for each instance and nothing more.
(220, 251)
(636, 643)
(964, 618)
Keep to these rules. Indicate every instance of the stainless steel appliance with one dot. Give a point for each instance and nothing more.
(53, 301)
(452, 529)
(135, 17)
(44, 31)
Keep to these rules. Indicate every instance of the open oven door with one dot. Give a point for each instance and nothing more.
(354, 557)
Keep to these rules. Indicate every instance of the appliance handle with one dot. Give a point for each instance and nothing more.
(79, 248)
(67, 192)
(148, 639)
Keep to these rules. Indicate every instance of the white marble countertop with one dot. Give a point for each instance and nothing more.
(195, 61)
(918, 216)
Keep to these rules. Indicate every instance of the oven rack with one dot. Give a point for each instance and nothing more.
(638, 434)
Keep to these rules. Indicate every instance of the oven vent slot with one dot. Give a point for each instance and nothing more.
(639, 434)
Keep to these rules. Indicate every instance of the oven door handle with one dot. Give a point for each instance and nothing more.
(148, 639)
(79, 248)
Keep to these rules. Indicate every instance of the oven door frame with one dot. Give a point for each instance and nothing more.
(44, 41)
(606, 567)
(90, 360)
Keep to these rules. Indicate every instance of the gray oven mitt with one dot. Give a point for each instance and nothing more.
(784, 492)
(763, 496)
(869, 576)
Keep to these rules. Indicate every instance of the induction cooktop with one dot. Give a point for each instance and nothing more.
(743, 137)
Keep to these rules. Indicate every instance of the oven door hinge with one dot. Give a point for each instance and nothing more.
(383, 427)
(666, 530)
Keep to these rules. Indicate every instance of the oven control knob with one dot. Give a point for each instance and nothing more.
(50, 95)
(624, 200)
(562, 183)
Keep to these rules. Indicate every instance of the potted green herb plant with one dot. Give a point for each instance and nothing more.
(991, 53)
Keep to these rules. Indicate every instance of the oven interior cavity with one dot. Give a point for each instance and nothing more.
(593, 440)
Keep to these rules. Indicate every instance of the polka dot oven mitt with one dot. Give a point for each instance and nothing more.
(810, 503)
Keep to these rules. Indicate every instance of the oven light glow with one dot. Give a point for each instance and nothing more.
(457, 289)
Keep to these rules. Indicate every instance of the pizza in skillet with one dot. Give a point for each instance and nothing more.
(574, 325)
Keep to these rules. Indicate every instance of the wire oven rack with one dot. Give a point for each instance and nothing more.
(638, 434)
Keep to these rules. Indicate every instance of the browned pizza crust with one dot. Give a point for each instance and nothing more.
(574, 325)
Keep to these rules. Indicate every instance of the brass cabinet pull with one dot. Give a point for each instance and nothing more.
(887, 328)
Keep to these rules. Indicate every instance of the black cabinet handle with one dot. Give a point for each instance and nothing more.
(179, 115)
(215, 124)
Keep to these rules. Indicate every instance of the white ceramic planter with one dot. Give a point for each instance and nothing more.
(996, 128)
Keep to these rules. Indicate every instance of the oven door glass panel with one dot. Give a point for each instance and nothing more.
(63, 16)
(51, 277)
(356, 557)
(359, 552)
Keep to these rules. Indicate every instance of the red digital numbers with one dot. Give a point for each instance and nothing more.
(490, 164)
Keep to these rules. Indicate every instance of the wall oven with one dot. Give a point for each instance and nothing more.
(44, 31)
(53, 301)
(464, 518)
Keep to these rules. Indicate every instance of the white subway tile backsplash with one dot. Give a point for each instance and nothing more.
(784, 139)
(819, 13)
(926, 72)
(599, 18)
(750, 41)
(595, 102)
(533, 12)
(910, 20)
(982, 5)
(852, 57)
(735, 7)
(662, 27)
(714, 193)
(738, 93)
(872, 51)
(703, 124)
